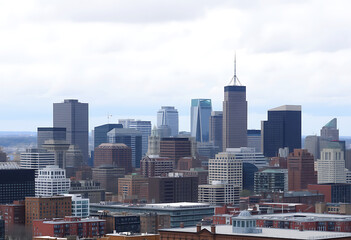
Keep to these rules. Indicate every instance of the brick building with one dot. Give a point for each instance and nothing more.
(154, 165)
(124, 236)
(300, 170)
(173, 189)
(107, 176)
(129, 187)
(306, 221)
(225, 232)
(115, 154)
(186, 163)
(13, 215)
(333, 192)
(175, 148)
(47, 208)
(69, 226)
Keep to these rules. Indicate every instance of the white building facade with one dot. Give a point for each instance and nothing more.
(80, 205)
(331, 166)
(35, 158)
(249, 155)
(51, 181)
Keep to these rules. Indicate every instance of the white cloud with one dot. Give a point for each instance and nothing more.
(131, 57)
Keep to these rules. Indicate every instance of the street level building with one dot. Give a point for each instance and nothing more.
(47, 208)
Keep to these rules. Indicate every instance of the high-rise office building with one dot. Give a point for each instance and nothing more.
(100, 133)
(50, 133)
(227, 169)
(254, 139)
(172, 188)
(153, 147)
(115, 154)
(300, 170)
(330, 131)
(130, 137)
(200, 119)
(73, 116)
(312, 144)
(108, 176)
(331, 166)
(234, 117)
(282, 129)
(35, 158)
(51, 181)
(145, 128)
(175, 148)
(15, 183)
(249, 155)
(216, 129)
(168, 116)
(153, 166)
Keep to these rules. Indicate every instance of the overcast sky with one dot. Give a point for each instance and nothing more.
(128, 58)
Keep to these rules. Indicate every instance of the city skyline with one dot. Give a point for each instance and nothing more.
(185, 51)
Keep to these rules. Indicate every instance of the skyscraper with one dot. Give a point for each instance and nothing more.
(300, 170)
(331, 166)
(330, 131)
(168, 116)
(50, 133)
(200, 119)
(100, 133)
(216, 129)
(234, 115)
(73, 116)
(282, 129)
(145, 128)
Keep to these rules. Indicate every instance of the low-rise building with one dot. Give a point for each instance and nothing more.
(69, 226)
(80, 205)
(13, 215)
(306, 221)
(47, 208)
(334, 208)
(130, 236)
(183, 212)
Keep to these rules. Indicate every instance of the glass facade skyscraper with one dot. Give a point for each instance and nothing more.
(100, 133)
(73, 116)
(282, 129)
(200, 119)
(168, 116)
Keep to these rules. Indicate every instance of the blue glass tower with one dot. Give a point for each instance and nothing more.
(200, 119)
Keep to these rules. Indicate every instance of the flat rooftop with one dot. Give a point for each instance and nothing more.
(268, 233)
(170, 206)
(304, 217)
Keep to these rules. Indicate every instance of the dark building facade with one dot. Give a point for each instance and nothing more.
(234, 117)
(200, 116)
(73, 116)
(282, 129)
(216, 129)
(100, 133)
(249, 171)
(115, 154)
(50, 133)
(333, 192)
(175, 148)
(300, 170)
(108, 177)
(16, 184)
(172, 189)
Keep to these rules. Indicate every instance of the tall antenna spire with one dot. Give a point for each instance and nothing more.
(234, 68)
(235, 79)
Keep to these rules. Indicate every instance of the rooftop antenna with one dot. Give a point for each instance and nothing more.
(235, 79)
(108, 117)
